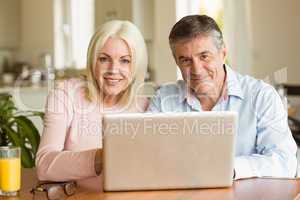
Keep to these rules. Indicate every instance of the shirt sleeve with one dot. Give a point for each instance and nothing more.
(155, 103)
(275, 147)
(53, 162)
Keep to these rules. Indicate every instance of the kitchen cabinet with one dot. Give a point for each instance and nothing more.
(9, 24)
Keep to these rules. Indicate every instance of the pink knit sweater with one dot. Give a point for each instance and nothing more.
(72, 133)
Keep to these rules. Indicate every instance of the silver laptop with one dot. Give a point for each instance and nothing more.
(168, 150)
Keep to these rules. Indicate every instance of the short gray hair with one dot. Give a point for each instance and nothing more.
(192, 26)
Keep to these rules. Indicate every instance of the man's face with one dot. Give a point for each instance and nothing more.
(201, 64)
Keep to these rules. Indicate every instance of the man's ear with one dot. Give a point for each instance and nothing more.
(174, 56)
(224, 53)
(176, 61)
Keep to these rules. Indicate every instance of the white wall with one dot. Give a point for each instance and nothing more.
(37, 30)
(164, 67)
(112, 9)
(276, 38)
(142, 16)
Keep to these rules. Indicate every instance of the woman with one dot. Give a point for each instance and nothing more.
(71, 143)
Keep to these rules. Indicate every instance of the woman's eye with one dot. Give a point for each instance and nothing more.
(125, 61)
(103, 59)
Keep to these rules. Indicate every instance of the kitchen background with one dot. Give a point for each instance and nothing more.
(43, 40)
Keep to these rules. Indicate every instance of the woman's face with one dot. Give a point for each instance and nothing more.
(113, 67)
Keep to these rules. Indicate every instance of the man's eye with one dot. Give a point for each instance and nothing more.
(125, 61)
(185, 61)
(204, 57)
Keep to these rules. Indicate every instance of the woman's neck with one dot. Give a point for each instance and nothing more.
(110, 101)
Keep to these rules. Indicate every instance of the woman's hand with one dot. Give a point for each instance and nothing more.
(98, 162)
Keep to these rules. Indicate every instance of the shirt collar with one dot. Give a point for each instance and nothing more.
(183, 90)
(232, 85)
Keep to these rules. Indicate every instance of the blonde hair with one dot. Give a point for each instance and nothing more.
(134, 39)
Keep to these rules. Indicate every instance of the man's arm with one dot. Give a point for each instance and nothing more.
(275, 146)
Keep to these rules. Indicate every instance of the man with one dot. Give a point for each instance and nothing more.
(264, 144)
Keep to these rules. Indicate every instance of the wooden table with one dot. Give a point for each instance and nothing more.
(252, 189)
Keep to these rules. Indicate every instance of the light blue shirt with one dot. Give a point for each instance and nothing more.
(264, 143)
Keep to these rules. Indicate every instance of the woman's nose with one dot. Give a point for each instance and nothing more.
(114, 66)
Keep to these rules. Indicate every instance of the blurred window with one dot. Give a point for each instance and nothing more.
(74, 26)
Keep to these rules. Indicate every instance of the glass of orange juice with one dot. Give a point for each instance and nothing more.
(10, 170)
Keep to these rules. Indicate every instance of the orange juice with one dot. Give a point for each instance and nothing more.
(10, 174)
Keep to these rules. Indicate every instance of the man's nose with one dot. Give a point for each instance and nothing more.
(197, 67)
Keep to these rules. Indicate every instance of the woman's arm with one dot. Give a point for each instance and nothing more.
(53, 162)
